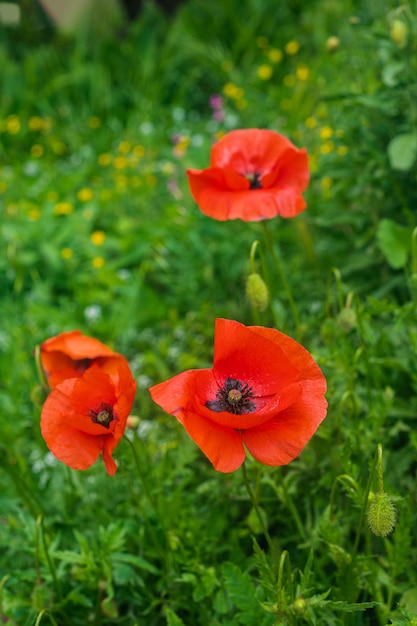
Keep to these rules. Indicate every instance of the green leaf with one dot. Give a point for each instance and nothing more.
(402, 151)
(172, 618)
(395, 242)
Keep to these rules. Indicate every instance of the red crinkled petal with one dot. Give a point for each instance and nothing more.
(66, 424)
(251, 149)
(77, 449)
(77, 346)
(221, 445)
(249, 356)
(67, 356)
(223, 191)
(280, 440)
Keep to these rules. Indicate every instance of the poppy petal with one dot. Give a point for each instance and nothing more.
(300, 358)
(77, 346)
(177, 393)
(250, 149)
(222, 446)
(73, 447)
(280, 440)
(252, 358)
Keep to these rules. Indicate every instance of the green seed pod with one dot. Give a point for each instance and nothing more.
(399, 33)
(257, 292)
(347, 320)
(382, 514)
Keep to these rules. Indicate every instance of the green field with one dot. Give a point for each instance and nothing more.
(99, 232)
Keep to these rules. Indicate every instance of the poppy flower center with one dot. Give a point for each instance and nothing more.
(103, 416)
(234, 397)
(254, 180)
(80, 365)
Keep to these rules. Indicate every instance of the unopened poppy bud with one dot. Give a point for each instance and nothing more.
(300, 605)
(382, 514)
(132, 422)
(399, 33)
(347, 320)
(257, 292)
(332, 43)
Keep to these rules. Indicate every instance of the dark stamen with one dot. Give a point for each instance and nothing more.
(254, 180)
(80, 365)
(103, 416)
(234, 397)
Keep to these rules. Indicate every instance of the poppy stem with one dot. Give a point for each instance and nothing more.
(281, 274)
(257, 510)
(143, 479)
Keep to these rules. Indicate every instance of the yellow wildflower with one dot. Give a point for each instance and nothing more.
(326, 132)
(98, 237)
(35, 123)
(124, 147)
(85, 194)
(63, 208)
(66, 253)
(326, 182)
(34, 214)
(104, 159)
(292, 47)
(98, 262)
(13, 124)
(37, 150)
(311, 122)
(139, 151)
(265, 72)
(327, 147)
(120, 162)
(302, 72)
(275, 55)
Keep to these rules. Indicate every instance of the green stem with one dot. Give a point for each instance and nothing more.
(380, 471)
(252, 256)
(257, 510)
(363, 510)
(280, 587)
(41, 614)
(40, 371)
(51, 565)
(281, 273)
(143, 479)
(3, 581)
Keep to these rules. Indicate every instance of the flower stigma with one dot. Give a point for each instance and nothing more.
(254, 180)
(234, 397)
(103, 416)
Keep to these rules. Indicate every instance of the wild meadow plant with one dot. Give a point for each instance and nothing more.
(283, 492)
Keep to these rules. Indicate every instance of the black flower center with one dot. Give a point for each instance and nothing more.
(80, 365)
(103, 416)
(234, 397)
(254, 180)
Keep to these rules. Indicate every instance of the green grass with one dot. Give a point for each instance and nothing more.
(99, 232)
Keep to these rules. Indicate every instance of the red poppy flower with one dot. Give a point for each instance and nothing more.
(253, 175)
(85, 416)
(70, 354)
(265, 392)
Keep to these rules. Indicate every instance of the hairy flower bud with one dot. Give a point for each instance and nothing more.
(382, 514)
(399, 33)
(257, 292)
(332, 43)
